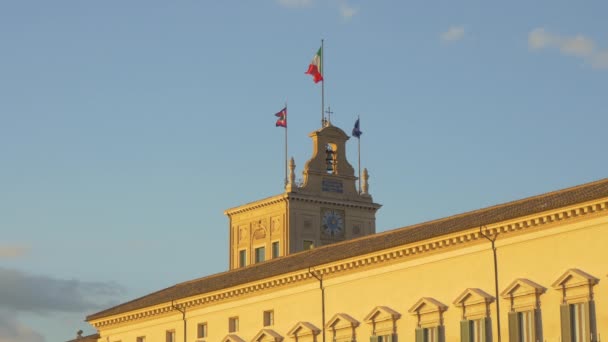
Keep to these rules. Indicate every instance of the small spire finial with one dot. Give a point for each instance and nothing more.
(292, 174)
(291, 185)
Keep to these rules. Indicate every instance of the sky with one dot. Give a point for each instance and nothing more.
(128, 127)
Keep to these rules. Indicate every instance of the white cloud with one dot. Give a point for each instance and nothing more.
(345, 8)
(453, 34)
(578, 46)
(538, 39)
(347, 11)
(295, 3)
(12, 251)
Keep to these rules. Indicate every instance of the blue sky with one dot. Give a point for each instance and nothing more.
(128, 127)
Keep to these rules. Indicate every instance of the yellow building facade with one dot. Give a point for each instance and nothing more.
(433, 281)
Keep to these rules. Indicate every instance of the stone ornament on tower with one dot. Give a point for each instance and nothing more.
(292, 174)
(365, 185)
(291, 185)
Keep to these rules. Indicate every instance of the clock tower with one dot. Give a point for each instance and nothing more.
(326, 208)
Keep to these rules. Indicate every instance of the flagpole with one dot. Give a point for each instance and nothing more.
(322, 86)
(359, 154)
(286, 143)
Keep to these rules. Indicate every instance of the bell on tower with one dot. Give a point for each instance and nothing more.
(330, 160)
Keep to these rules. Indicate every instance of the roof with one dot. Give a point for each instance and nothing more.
(89, 338)
(368, 244)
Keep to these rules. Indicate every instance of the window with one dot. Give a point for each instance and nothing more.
(522, 326)
(275, 249)
(383, 338)
(578, 321)
(201, 330)
(431, 334)
(342, 327)
(578, 324)
(308, 244)
(268, 318)
(429, 312)
(260, 254)
(242, 258)
(170, 336)
(476, 325)
(233, 324)
(525, 323)
(476, 330)
(141, 339)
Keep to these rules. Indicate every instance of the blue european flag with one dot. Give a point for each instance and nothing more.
(356, 130)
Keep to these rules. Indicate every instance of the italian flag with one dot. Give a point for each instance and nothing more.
(315, 68)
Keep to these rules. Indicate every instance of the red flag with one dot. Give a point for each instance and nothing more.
(282, 118)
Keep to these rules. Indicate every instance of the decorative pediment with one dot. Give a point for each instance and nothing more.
(475, 303)
(428, 311)
(473, 296)
(383, 320)
(574, 278)
(267, 335)
(303, 329)
(381, 313)
(522, 287)
(340, 321)
(427, 305)
(232, 338)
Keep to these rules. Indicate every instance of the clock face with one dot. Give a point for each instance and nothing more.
(332, 223)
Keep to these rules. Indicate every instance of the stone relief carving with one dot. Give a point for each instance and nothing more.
(243, 233)
(276, 225)
(259, 230)
(259, 233)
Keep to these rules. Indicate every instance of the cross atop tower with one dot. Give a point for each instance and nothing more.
(329, 113)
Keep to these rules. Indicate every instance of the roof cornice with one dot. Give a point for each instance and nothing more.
(293, 196)
(256, 205)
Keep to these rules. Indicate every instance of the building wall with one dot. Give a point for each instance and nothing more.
(541, 254)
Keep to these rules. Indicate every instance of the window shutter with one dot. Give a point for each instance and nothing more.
(487, 325)
(465, 331)
(513, 326)
(388, 338)
(394, 337)
(589, 310)
(565, 320)
(538, 325)
(419, 335)
(441, 331)
(373, 338)
(592, 321)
